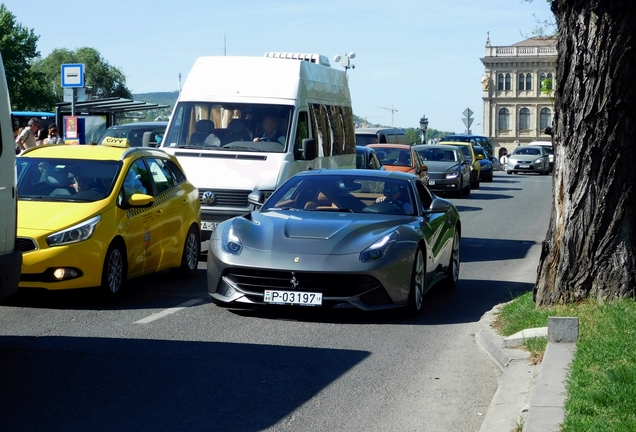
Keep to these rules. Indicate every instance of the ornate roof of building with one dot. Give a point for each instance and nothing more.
(538, 41)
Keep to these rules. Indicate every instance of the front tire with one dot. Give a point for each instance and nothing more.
(115, 269)
(509, 172)
(452, 273)
(418, 277)
(191, 252)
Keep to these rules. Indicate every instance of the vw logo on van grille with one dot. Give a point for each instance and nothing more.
(208, 198)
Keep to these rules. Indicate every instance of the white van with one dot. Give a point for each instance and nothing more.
(244, 125)
(10, 256)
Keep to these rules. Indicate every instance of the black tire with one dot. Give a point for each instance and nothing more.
(191, 253)
(452, 272)
(460, 190)
(418, 278)
(478, 183)
(509, 172)
(490, 178)
(115, 269)
(474, 180)
(467, 189)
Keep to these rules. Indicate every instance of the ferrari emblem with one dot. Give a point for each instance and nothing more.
(297, 259)
(294, 282)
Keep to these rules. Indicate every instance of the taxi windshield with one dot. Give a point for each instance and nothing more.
(229, 127)
(75, 180)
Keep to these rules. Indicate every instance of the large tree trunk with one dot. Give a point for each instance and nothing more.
(590, 248)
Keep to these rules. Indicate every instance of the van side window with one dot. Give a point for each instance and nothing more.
(302, 130)
(383, 139)
(332, 129)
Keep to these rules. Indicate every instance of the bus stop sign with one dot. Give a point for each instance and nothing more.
(72, 75)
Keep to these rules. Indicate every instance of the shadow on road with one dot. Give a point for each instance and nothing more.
(498, 189)
(157, 290)
(489, 196)
(485, 249)
(75, 383)
(463, 209)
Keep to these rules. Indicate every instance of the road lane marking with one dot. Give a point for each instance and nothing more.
(168, 311)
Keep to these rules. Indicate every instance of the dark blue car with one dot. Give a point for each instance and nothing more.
(367, 158)
(486, 164)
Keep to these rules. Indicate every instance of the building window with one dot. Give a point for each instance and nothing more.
(508, 79)
(524, 119)
(522, 81)
(500, 82)
(504, 119)
(541, 79)
(528, 81)
(545, 118)
(549, 83)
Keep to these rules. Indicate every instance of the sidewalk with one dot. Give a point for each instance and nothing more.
(528, 395)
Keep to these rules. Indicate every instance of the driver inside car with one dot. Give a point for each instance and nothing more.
(394, 195)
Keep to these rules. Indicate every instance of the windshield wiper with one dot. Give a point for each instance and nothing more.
(235, 147)
(335, 209)
(283, 208)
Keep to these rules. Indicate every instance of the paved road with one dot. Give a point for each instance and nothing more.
(70, 361)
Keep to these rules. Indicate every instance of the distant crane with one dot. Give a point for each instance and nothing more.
(393, 111)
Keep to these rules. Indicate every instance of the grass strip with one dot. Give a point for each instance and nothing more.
(601, 384)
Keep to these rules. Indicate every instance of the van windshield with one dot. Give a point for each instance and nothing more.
(229, 126)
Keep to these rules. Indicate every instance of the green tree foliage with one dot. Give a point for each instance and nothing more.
(28, 89)
(414, 135)
(104, 79)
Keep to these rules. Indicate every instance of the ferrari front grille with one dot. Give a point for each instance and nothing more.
(329, 284)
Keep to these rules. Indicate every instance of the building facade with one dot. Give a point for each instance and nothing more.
(517, 90)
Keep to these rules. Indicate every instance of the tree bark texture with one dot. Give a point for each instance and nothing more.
(590, 247)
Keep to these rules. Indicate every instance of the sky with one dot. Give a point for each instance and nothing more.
(419, 56)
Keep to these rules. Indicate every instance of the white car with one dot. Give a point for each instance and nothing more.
(547, 145)
(529, 159)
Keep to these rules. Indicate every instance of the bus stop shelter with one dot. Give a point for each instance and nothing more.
(96, 115)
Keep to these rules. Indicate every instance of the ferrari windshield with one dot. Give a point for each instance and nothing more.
(344, 193)
(229, 126)
(49, 179)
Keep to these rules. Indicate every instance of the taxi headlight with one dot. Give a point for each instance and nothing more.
(380, 248)
(75, 234)
(230, 242)
(452, 175)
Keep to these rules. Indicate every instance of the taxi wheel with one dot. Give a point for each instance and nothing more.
(191, 252)
(114, 271)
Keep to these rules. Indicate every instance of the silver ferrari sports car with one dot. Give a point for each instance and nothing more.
(337, 238)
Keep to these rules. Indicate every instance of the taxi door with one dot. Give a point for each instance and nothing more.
(141, 227)
(171, 201)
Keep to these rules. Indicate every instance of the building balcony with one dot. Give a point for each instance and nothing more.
(521, 51)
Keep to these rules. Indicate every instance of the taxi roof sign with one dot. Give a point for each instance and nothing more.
(116, 142)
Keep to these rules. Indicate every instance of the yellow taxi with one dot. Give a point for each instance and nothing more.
(95, 216)
(470, 155)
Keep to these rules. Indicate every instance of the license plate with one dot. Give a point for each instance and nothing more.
(209, 226)
(293, 298)
(524, 166)
(431, 182)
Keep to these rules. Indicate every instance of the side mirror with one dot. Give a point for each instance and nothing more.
(309, 149)
(256, 198)
(438, 206)
(424, 167)
(140, 200)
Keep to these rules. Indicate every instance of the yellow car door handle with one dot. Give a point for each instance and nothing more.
(159, 212)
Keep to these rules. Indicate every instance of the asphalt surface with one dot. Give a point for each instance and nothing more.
(72, 361)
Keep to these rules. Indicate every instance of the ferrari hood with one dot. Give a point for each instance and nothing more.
(314, 232)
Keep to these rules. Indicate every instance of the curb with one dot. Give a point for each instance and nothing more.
(510, 403)
(516, 402)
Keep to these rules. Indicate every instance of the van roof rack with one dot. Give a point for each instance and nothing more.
(313, 58)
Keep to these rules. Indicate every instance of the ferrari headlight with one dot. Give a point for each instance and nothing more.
(230, 242)
(452, 175)
(379, 249)
(74, 234)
